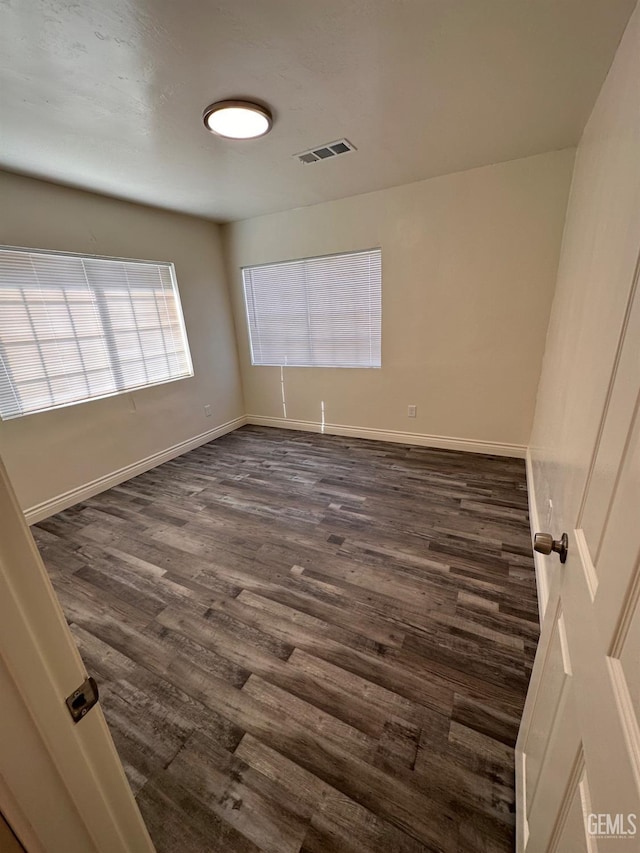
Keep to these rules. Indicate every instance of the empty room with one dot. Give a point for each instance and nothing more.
(320, 426)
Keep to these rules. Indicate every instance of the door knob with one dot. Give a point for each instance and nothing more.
(544, 543)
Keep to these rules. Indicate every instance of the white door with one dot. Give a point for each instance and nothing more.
(578, 752)
(62, 787)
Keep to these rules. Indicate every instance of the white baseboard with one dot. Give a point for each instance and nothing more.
(60, 502)
(87, 490)
(439, 441)
(542, 585)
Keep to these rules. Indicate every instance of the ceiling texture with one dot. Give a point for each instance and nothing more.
(107, 95)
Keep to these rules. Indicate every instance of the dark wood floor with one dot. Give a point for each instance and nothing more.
(309, 643)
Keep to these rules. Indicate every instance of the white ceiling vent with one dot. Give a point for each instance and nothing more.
(324, 152)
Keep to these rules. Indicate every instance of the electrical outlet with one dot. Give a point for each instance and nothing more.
(207, 410)
(411, 411)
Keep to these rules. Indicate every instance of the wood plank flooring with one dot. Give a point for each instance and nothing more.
(309, 643)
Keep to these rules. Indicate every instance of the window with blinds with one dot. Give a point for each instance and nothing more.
(317, 312)
(76, 328)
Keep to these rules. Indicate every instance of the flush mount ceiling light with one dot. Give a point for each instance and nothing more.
(237, 119)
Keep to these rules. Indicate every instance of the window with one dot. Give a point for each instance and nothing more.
(318, 312)
(75, 328)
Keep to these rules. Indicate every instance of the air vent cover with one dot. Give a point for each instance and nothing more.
(324, 152)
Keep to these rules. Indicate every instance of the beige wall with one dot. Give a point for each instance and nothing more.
(594, 291)
(469, 264)
(50, 453)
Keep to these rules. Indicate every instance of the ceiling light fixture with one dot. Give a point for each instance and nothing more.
(237, 119)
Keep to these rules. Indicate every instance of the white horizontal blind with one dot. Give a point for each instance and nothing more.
(318, 312)
(75, 328)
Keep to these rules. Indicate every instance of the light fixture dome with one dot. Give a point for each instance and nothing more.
(237, 119)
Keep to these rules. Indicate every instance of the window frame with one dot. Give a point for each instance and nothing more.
(119, 391)
(298, 260)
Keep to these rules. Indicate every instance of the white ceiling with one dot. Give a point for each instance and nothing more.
(108, 95)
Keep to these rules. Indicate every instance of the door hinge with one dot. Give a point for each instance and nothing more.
(83, 699)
